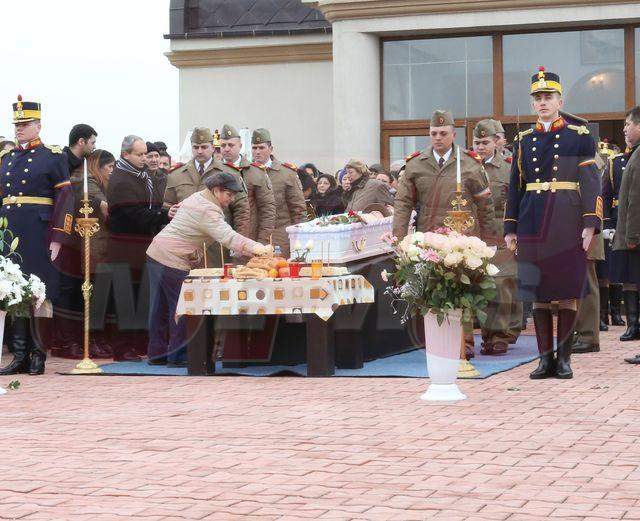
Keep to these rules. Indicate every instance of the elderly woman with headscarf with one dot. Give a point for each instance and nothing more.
(178, 247)
(364, 191)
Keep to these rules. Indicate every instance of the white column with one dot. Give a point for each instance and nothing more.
(356, 95)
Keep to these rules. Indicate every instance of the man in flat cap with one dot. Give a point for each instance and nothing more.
(554, 209)
(427, 183)
(189, 178)
(291, 207)
(262, 203)
(37, 203)
(504, 314)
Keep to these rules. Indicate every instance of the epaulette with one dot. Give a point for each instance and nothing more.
(54, 148)
(259, 165)
(580, 129)
(4, 153)
(509, 159)
(410, 157)
(473, 155)
(231, 165)
(523, 133)
(291, 166)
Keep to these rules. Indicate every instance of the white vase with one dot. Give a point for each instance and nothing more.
(442, 345)
(3, 315)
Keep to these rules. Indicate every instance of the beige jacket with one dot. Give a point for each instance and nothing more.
(365, 192)
(199, 220)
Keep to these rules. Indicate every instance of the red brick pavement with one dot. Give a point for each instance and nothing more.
(116, 448)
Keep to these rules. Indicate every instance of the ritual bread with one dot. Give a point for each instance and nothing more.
(246, 272)
(265, 263)
(207, 272)
(327, 271)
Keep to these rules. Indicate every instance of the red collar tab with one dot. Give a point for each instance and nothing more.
(557, 124)
(31, 144)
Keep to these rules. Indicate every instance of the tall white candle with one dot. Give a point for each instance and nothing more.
(458, 173)
(85, 184)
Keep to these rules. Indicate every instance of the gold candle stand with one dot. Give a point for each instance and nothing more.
(461, 220)
(86, 227)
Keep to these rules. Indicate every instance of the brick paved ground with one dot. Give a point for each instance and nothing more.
(246, 448)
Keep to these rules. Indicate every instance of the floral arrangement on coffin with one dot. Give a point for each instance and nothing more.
(344, 218)
(17, 292)
(442, 271)
(299, 254)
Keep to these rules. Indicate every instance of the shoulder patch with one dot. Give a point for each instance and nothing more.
(580, 129)
(290, 165)
(410, 157)
(259, 165)
(525, 133)
(473, 155)
(54, 148)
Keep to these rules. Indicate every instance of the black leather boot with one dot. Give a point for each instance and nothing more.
(543, 321)
(604, 308)
(20, 344)
(631, 307)
(615, 299)
(38, 355)
(566, 321)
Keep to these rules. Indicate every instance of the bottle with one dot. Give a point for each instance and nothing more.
(277, 251)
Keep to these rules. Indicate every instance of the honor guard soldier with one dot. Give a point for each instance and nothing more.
(554, 208)
(262, 203)
(626, 265)
(291, 207)
(504, 313)
(37, 202)
(189, 178)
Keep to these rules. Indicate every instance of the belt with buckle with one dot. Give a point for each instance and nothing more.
(614, 203)
(27, 200)
(552, 185)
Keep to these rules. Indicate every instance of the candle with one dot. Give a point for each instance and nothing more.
(458, 173)
(85, 185)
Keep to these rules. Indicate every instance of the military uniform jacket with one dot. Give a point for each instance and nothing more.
(611, 182)
(262, 203)
(549, 224)
(429, 189)
(291, 207)
(365, 192)
(37, 171)
(499, 171)
(628, 225)
(185, 181)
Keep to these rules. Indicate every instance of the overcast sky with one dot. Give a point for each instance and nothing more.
(95, 62)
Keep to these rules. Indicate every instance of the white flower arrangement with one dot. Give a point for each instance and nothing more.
(441, 271)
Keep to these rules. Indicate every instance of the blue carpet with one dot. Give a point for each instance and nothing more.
(412, 364)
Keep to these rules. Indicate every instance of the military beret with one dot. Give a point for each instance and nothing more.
(442, 118)
(260, 135)
(223, 180)
(484, 128)
(229, 132)
(151, 147)
(498, 125)
(201, 135)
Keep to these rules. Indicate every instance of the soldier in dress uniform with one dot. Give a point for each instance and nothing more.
(554, 208)
(291, 207)
(38, 203)
(427, 183)
(189, 178)
(262, 203)
(503, 323)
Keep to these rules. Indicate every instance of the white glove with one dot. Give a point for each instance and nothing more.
(263, 249)
(608, 234)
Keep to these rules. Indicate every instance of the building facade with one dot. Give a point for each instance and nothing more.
(335, 79)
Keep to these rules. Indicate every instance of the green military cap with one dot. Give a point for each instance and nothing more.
(201, 135)
(498, 124)
(442, 118)
(260, 135)
(229, 132)
(485, 128)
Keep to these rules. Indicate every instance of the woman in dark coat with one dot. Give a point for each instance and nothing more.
(328, 197)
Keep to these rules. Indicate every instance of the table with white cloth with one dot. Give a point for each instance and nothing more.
(202, 298)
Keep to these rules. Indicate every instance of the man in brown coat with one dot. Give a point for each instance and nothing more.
(262, 203)
(291, 207)
(189, 178)
(505, 311)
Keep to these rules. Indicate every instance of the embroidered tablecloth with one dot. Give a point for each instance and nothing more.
(215, 296)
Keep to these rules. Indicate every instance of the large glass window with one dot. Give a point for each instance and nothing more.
(420, 76)
(637, 71)
(401, 146)
(590, 65)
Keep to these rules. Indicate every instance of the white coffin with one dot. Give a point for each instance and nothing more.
(341, 242)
